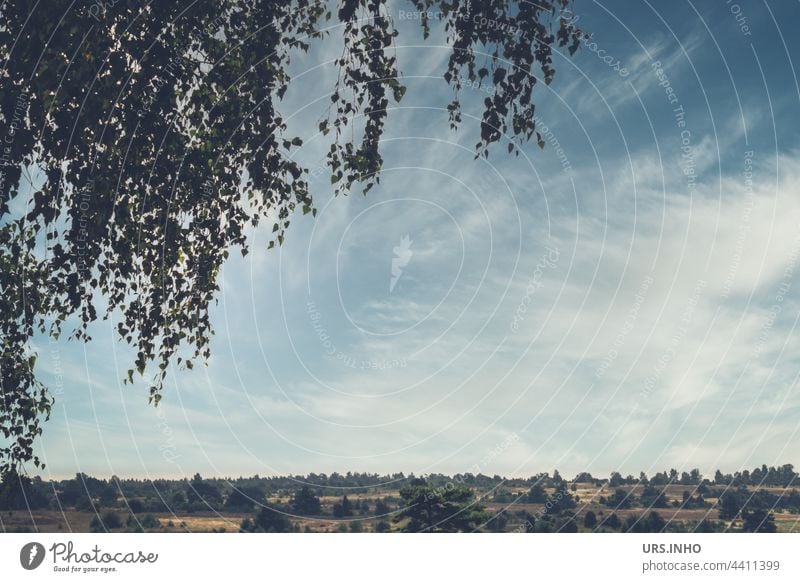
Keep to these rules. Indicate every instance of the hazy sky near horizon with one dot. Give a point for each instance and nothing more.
(625, 298)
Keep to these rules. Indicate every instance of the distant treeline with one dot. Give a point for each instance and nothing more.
(412, 503)
(19, 491)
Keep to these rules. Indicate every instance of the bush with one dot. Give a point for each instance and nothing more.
(108, 521)
(653, 523)
(498, 522)
(84, 504)
(112, 520)
(568, 526)
(343, 508)
(382, 508)
(759, 521)
(612, 521)
(268, 520)
(589, 520)
(620, 500)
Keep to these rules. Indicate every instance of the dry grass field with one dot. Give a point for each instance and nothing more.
(209, 521)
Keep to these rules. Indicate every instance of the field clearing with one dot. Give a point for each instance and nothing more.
(75, 521)
(589, 497)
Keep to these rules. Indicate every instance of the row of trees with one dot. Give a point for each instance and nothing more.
(782, 476)
(423, 506)
(85, 492)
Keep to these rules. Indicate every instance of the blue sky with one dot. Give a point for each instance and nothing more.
(623, 299)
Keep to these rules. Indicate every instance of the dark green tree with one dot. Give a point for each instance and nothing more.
(536, 494)
(620, 500)
(653, 497)
(498, 522)
(381, 508)
(612, 521)
(439, 509)
(243, 498)
(568, 525)
(653, 523)
(758, 521)
(21, 492)
(201, 491)
(589, 520)
(561, 500)
(178, 500)
(706, 526)
(149, 521)
(305, 502)
(729, 505)
(111, 520)
(157, 138)
(343, 508)
(268, 520)
(108, 495)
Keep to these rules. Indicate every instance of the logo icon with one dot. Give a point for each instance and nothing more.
(31, 555)
(402, 255)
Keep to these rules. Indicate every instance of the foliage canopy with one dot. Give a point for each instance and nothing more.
(141, 141)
